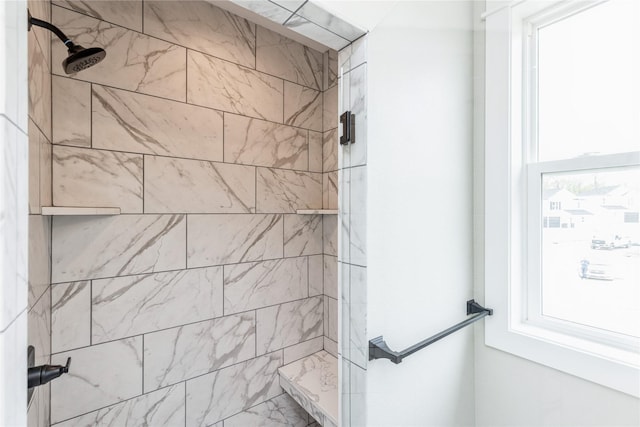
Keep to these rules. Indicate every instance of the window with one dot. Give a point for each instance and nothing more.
(562, 255)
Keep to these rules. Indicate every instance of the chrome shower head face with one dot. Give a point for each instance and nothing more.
(80, 58)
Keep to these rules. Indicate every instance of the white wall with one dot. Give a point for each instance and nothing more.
(511, 391)
(419, 232)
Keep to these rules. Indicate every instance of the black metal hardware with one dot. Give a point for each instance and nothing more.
(40, 375)
(348, 121)
(378, 349)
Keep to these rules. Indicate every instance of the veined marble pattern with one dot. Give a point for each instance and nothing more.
(134, 61)
(315, 32)
(257, 142)
(286, 324)
(325, 19)
(302, 235)
(313, 383)
(41, 9)
(330, 109)
(97, 247)
(358, 395)
(39, 328)
(215, 396)
(126, 13)
(35, 141)
(358, 237)
(358, 106)
(330, 235)
(303, 349)
(330, 145)
(254, 285)
(279, 411)
(345, 309)
(193, 186)
(286, 191)
(70, 316)
(230, 239)
(132, 305)
(266, 9)
(164, 407)
(358, 317)
(71, 111)
(302, 106)
(330, 190)
(228, 87)
(203, 27)
(101, 375)
(39, 256)
(316, 268)
(185, 352)
(331, 276)
(96, 178)
(331, 69)
(315, 151)
(126, 121)
(344, 212)
(331, 318)
(39, 87)
(288, 59)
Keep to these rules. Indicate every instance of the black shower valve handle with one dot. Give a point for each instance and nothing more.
(40, 375)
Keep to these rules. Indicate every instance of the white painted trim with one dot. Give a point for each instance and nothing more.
(505, 181)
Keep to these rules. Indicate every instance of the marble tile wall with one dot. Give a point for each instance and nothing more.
(351, 228)
(38, 318)
(207, 131)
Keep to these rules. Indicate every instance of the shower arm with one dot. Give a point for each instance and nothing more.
(55, 30)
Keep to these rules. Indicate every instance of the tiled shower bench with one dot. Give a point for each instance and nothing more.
(313, 383)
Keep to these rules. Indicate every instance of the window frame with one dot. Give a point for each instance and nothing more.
(513, 209)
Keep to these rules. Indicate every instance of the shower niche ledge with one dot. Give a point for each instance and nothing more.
(75, 210)
(317, 211)
(313, 383)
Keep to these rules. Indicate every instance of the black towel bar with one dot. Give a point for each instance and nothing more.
(378, 349)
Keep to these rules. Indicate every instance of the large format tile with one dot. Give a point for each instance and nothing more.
(39, 256)
(193, 186)
(330, 109)
(228, 87)
(330, 190)
(302, 235)
(39, 328)
(204, 27)
(71, 111)
(283, 57)
(260, 284)
(330, 235)
(280, 411)
(358, 232)
(358, 106)
(302, 107)
(39, 87)
(126, 121)
(132, 305)
(331, 276)
(359, 347)
(97, 247)
(303, 349)
(215, 396)
(266, 9)
(134, 61)
(100, 375)
(233, 238)
(287, 324)
(315, 151)
(126, 13)
(330, 146)
(13, 353)
(328, 20)
(316, 267)
(287, 191)
(36, 139)
(188, 351)
(70, 316)
(315, 32)
(261, 143)
(164, 407)
(85, 177)
(331, 68)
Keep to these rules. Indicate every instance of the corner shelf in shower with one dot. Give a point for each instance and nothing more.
(317, 211)
(313, 382)
(77, 211)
